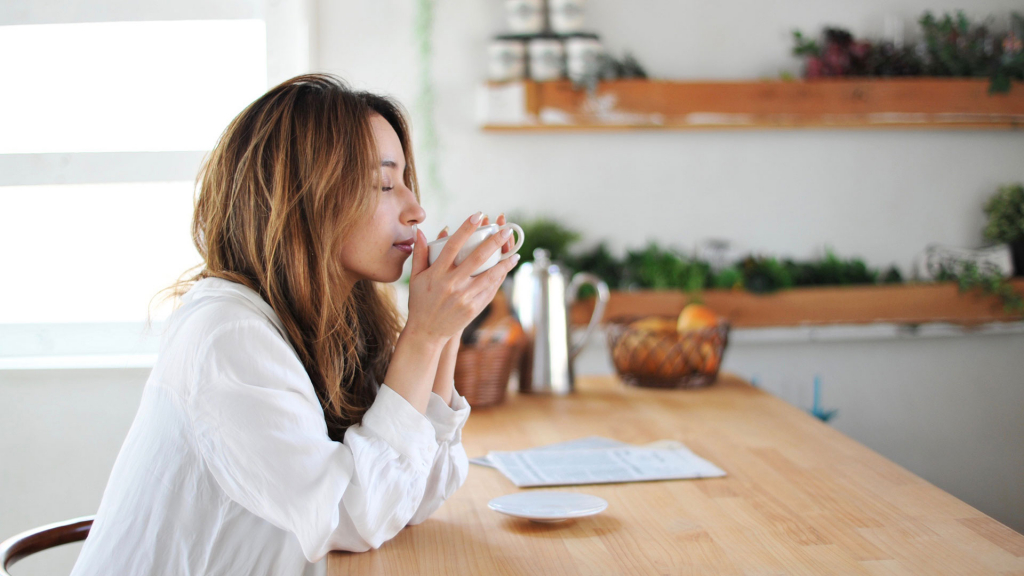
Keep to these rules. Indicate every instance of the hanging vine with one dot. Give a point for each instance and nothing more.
(426, 129)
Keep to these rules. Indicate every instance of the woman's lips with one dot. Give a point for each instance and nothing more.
(405, 246)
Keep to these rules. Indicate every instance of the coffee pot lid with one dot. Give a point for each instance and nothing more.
(543, 266)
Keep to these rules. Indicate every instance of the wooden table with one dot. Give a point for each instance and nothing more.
(799, 498)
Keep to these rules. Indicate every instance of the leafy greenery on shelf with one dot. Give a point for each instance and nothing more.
(658, 268)
(990, 281)
(545, 233)
(599, 261)
(957, 47)
(951, 45)
(1005, 211)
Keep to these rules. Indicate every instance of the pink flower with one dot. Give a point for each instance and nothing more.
(1012, 44)
(815, 67)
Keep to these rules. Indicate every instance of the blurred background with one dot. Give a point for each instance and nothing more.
(737, 182)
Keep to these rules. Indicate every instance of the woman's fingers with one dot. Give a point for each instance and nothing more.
(494, 276)
(501, 222)
(484, 251)
(443, 233)
(451, 248)
(488, 283)
(420, 253)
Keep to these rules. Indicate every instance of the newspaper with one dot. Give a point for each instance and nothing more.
(557, 466)
(579, 444)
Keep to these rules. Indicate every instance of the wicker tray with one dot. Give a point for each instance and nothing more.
(667, 359)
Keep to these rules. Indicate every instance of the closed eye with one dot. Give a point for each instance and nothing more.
(388, 164)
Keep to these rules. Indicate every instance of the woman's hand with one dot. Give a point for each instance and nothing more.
(487, 220)
(443, 297)
(445, 377)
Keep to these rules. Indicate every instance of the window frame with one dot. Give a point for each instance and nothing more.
(290, 50)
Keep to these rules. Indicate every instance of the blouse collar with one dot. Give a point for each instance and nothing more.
(229, 288)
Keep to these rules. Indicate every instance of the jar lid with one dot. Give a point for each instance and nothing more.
(542, 36)
(513, 37)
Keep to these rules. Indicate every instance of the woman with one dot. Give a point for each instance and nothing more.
(286, 416)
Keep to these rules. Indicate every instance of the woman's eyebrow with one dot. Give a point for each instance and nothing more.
(388, 164)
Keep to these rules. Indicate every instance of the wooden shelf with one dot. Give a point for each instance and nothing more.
(906, 103)
(895, 304)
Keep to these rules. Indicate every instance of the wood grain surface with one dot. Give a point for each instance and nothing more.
(917, 103)
(799, 498)
(818, 306)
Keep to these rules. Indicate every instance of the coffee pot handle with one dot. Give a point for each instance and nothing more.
(578, 281)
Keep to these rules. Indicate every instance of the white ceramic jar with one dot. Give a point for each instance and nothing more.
(582, 56)
(566, 16)
(547, 58)
(506, 58)
(525, 16)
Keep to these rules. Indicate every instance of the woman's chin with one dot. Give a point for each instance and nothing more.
(388, 276)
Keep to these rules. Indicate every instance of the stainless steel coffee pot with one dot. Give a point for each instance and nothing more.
(541, 296)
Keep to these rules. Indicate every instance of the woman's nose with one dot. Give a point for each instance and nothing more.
(413, 213)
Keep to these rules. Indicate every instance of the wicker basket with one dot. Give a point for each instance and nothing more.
(482, 371)
(667, 359)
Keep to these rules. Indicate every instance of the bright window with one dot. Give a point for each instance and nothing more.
(92, 252)
(82, 254)
(126, 86)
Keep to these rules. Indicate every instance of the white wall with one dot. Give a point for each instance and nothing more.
(879, 194)
(59, 436)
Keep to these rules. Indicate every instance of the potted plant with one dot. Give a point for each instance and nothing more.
(1005, 212)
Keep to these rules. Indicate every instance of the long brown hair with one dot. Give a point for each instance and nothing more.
(288, 178)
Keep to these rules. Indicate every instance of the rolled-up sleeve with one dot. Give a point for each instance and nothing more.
(451, 465)
(261, 432)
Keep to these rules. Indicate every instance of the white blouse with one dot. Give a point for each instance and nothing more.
(228, 468)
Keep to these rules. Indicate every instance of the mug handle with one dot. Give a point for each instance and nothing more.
(519, 242)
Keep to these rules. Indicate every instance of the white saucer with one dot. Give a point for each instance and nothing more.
(547, 505)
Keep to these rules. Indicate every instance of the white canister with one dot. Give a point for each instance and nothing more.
(566, 16)
(547, 58)
(506, 58)
(525, 16)
(582, 56)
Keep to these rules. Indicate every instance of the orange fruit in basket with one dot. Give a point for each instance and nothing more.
(696, 317)
(657, 353)
(624, 349)
(649, 342)
(711, 359)
(654, 324)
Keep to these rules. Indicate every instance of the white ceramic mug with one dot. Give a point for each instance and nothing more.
(475, 239)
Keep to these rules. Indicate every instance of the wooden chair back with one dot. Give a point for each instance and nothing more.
(17, 547)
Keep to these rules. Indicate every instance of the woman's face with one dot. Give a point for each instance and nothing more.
(377, 247)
